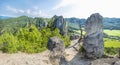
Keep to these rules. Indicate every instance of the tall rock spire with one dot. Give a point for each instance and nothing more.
(93, 42)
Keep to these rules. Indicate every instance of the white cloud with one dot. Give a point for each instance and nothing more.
(64, 3)
(13, 9)
(73, 8)
(34, 12)
(83, 8)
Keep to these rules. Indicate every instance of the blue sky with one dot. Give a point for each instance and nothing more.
(67, 8)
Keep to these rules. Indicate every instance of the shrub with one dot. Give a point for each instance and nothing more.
(111, 50)
(81, 50)
(9, 43)
(29, 40)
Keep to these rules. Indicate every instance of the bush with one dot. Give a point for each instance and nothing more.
(29, 40)
(9, 43)
(111, 51)
(66, 39)
(81, 50)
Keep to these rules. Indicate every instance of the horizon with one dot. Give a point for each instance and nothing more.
(66, 8)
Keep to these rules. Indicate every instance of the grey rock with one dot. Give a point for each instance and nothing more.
(57, 48)
(61, 24)
(74, 36)
(101, 64)
(93, 42)
(40, 22)
(117, 63)
(106, 61)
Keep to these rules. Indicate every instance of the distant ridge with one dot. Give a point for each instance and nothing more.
(5, 17)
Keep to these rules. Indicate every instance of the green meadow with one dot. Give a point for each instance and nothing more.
(111, 43)
(112, 32)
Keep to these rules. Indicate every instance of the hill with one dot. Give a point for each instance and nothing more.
(5, 17)
(109, 23)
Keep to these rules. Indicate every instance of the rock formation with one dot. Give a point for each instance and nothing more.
(61, 24)
(93, 42)
(57, 48)
(40, 22)
(117, 63)
(74, 36)
(106, 61)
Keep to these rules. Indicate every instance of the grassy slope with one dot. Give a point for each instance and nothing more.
(78, 31)
(112, 32)
(109, 42)
(112, 42)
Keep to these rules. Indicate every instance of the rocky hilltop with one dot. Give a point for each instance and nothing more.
(92, 47)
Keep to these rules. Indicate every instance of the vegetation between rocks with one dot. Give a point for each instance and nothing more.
(29, 39)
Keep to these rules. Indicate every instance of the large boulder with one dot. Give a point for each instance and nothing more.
(61, 24)
(93, 42)
(106, 61)
(117, 63)
(57, 48)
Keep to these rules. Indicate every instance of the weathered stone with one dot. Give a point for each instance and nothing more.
(117, 63)
(105, 61)
(57, 48)
(93, 42)
(74, 36)
(61, 24)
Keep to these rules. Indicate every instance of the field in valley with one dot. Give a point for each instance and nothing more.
(115, 42)
(112, 32)
(109, 42)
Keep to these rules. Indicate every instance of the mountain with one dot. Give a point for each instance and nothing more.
(73, 23)
(109, 23)
(5, 17)
(10, 23)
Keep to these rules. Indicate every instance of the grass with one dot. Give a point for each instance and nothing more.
(111, 43)
(78, 31)
(109, 32)
(111, 51)
(112, 32)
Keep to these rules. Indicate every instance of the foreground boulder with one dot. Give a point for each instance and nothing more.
(61, 24)
(57, 48)
(117, 63)
(93, 42)
(106, 61)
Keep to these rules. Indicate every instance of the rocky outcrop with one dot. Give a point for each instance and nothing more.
(117, 63)
(57, 48)
(74, 36)
(93, 42)
(106, 61)
(61, 24)
(40, 22)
